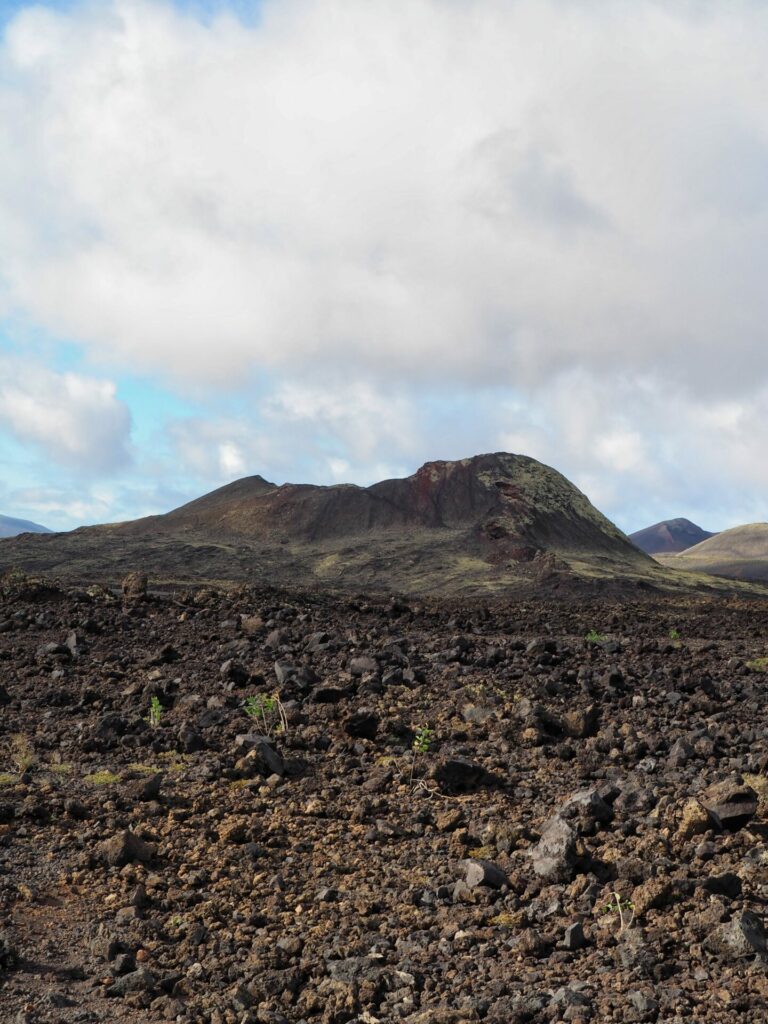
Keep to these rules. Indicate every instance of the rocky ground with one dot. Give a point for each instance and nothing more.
(507, 812)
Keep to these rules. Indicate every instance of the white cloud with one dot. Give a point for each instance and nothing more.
(58, 506)
(361, 418)
(384, 207)
(218, 450)
(466, 192)
(77, 421)
(63, 507)
(644, 451)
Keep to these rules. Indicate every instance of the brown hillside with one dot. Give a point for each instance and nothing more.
(741, 553)
(488, 522)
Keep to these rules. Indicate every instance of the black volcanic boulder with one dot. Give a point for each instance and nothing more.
(328, 695)
(585, 809)
(362, 724)
(260, 757)
(557, 857)
(124, 848)
(457, 775)
(741, 937)
(8, 955)
(731, 805)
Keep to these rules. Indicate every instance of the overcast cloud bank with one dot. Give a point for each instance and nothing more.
(433, 228)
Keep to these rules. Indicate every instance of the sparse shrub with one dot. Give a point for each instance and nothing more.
(593, 637)
(674, 634)
(269, 709)
(421, 743)
(155, 713)
(22, 753)
(624, 908)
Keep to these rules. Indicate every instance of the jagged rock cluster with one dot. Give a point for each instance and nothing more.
(260, 807)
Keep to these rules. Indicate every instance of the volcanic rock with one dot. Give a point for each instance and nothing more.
(554, 856)
(730, 804)
(140, 980)
(260, 754)
(574, 936)
(125, 848)
(743, 936)
(457, 775)
(363, 724)
(8, 956)
(694, 821)
(483, 872)
(333, 897)
(134, 587)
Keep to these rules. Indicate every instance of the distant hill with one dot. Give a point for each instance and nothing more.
(669, 536)
(741, 553)
(483, 523)
(10, 527)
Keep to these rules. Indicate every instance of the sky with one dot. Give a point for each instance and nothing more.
(325, 241)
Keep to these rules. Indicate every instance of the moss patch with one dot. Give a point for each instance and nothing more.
(142, 769)
(328, 564)
(102, 778)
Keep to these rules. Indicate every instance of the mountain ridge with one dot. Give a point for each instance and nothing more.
(12, 527)
(486, 523)
(738, 553)
(669, 536)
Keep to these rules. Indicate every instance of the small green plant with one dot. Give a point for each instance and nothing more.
(593, 637)
(758, 665)
(624, 908)
(269, 708)
(674, 634)
(422, 741)
(155, 713)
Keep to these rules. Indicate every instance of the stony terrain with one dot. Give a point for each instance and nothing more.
(581, 836)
